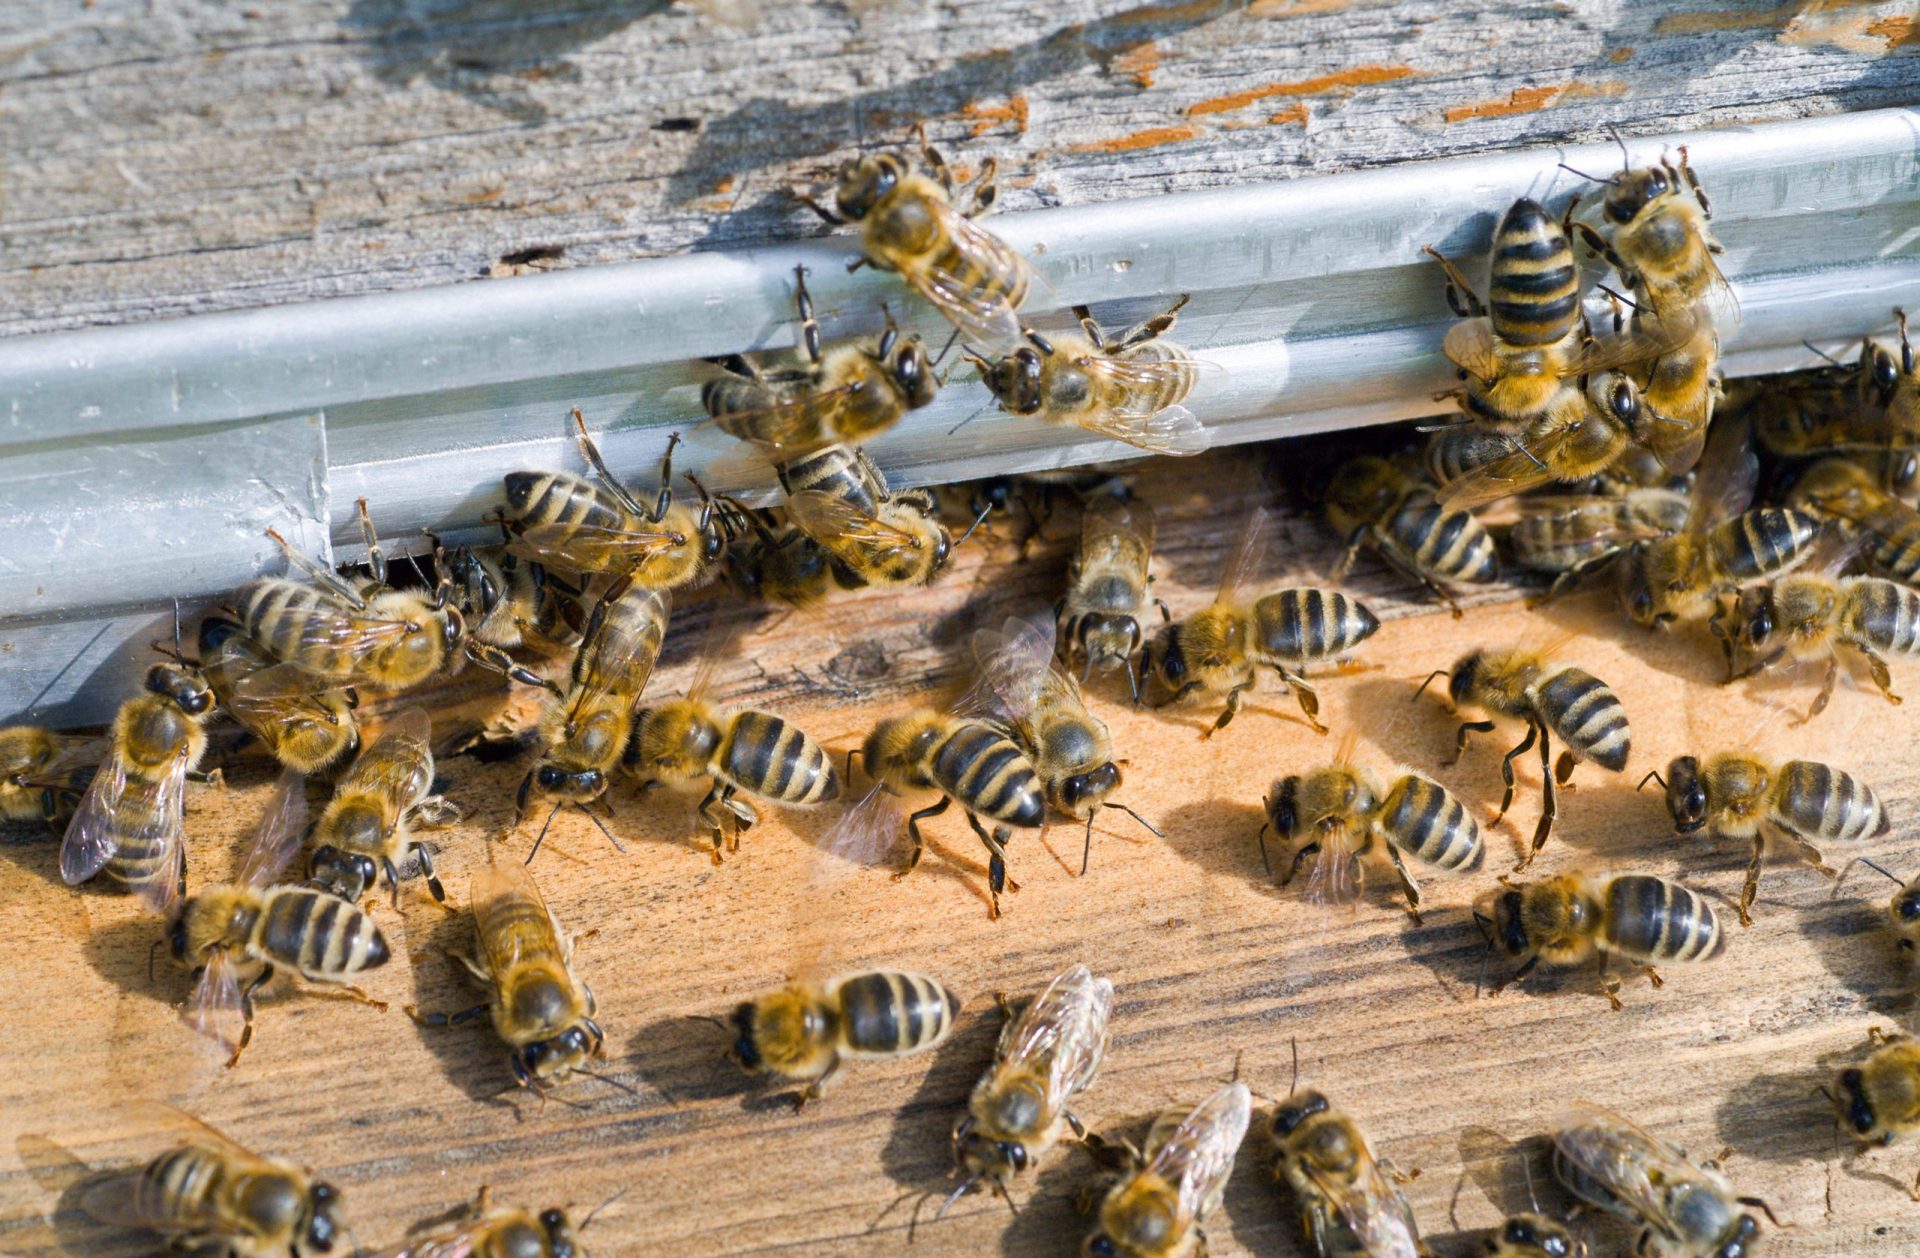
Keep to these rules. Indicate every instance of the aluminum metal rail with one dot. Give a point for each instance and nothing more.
(142, 463)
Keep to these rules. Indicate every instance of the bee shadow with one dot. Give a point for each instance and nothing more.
(919, 1149)
(34, 849)
(1257, 1206)
(66, 1228)
(1855, 942)
(1220, 837)
(685, 1058)
(470, 1055)
(1782, 1117)
(132, 955)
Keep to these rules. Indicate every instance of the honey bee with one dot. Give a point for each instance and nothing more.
(1102, 619)
(974, 762)
(1813, 615)
(1532, 1236)
(1581, 433)
(510, 602)
(1346, 817)
(378, 802)
(681, 743)
(1046, 1056)
(1455, 449)
(43, 775)
(306, 724)
(210, 1195)
(1571, 536)
(1219, 648)
(783, 565)
(1374, 502)
(1740, 796)
(129, 823)
(222, 930)
(873, 536)
(575, 525)
(585, 731)
(849, 394)
(1683, 1210)
(1021, 690)
(1165, 1190)
(1878, 1101)
(490, 1231)
(1843, 490)
(804, 1030)
(1872, 405)
(910, 225)
(539, 1006)
(1130, 389)
(1656, 236)
(1570, 703)
(1348, 1201)
(1681, 387)
(1571, 917)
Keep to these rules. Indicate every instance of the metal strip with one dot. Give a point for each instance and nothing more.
(1311, 295)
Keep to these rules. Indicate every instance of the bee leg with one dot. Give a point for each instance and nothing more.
(1516, 976)
(1610, 984)
(1460, 741)
(1233, 706)
(1877, 669)
(1460, 295)
(1506, 763)
(493, 659)
(434, 886)
(1563, 767)
(815, 1090)
(320, 574)
(827, 213)
(1091, 328)
(1699, 193)
(1598, 243)
(1299, 858)
(1407, 883)
(345, 989)
(376, 558)
(919, 841)
(1653, 976)
(1549, 805)
(1155, 328)
(1308, 697)
(744, 815)
(393, 880)
(711, 820)
(985, 190)
(446, 1019)
(246, 1013)
(1750, 889)
(1812, 854)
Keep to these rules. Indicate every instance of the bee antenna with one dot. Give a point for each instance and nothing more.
(1086, 850)
(1762, 1206)
(978, 413)
(595, 1212)
(595, 818)
(1157, 831)
(1526, 1168)
(1626, 163)
(1653, 775)
(176, 629)
(966, 1186)
(952, 340)
(1622, 298)
(1293, 1042)
(1583, 174)
(1438, 672)
(1861, 860)
(543, 834)
(978, 519)
(1822, 353)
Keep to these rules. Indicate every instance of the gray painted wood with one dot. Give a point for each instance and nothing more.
(163, 157)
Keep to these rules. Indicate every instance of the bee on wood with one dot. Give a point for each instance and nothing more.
(540, 1007)
(1129, 389)
(805, 1030)
(909, 224)
(577, 525)
(208, 1195)
(1904, 908)
(367, 828)
(511, 602)
(1554, 701)
(1349, 1203)
(1345, 816)
(1571, 536)
(129, 824)
(1373, 502)
(223, 930)
(1741, 796)
(1164, 1191)
(734, 752)
(1878, 1101)
(1870, 406)
(1020, 689)
(847, 394)
(1582, 432)
(781, 564)
(1103, 617)
(1843, 490)
(490, 1231)
(306, 723)
(872, 535)
(1683, 1209)
(1219, 648)
(44, 775)
(1570, 917)
(1047, 1054)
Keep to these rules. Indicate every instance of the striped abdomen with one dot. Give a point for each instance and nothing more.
(289, 620)
(1895, 552)
(183, 1189)
(835, 470)
(1444, 542)
(1820, 802)
(147, 854)
(1590, 1190)
(886, 1013)
(627, 644)
(1420, 818)
(1650, 919)
(1173, 380)
(1882, 615)
(962, 264)
(560, 498)
(1587, 716)
(1300, 626)
(982, 769)
(765, 755)
(317, 933)
(1763, 542)
(1534, 288)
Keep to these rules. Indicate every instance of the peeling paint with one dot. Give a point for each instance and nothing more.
(1359, 76)
(1138, 64)
(1526, 100)
(1786, 14)
(1296, 112)
(1152, 137)
(986, 117)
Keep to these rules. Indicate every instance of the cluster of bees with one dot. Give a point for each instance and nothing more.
(1643, 484)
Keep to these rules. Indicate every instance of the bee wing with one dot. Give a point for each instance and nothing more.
(865, 833)
(841, 527)
(1014, 667)
(1602, 519)
(1501, 477)
(1199, 1154)
(1729, 470)
(259, 698)
(501, 891)
(1336, 876)
(984, 316)
(127, 1199)
(1646, 338)
(1371, 1208)
(1066, 1025)
(280, 832)
(1629, 1162)
(1249, 555)
(1170, 430)
(101, 824)
(1469, 346)
(789, 422)
(215, 1010)
(617, 646)
(459, 1243)
(89, 842)
(560, 545)
(342, 630)
(1105, 517)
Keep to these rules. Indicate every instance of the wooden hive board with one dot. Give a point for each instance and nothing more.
(1215, 967)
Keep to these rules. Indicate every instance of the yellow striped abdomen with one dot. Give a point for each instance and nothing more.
(766, 755)
(886, 1013)
(1652, 920)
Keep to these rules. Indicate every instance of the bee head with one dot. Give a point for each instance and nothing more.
(1686, 794)
(1510, 921)
(1883, 373)
(323, 1223)
(1015, 381)
(1906, 903)
(979, 1156)
(992, 494)
(346, 874)
(863, 183)
(556, 1054)
(913, 372)
(1362, 492)
(1754, 614)
(1850, 1101)
(1530, 1231)
(574, 786)
(1165, 659)
(744, 1049)
(1465, 677)
(473, 581)
(184, 687)
(177, 931)
(1083, 789)
(1739, 1244)
(1281, 810)
(1289, 1114)
(1632, 191)
(1636, 587)
(942, 551)
(561, 1242)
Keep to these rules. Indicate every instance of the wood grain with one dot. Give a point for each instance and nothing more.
(203, 156)
(1215, 967)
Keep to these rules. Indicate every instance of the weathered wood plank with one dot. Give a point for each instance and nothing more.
(1214, 966)
(196, 156)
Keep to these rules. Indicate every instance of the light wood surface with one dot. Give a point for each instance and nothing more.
(201, 156)
(1215, 967)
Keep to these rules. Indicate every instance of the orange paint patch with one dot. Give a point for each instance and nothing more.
(1359, 76)
(1152, 137)
(1138, 64)
(484, 195)
(1165, 12)
(724, 185)
(986, 117)
(1619, 54)
(1292, 113)
(1896, 31)
(1526, 100)
(1739, 19)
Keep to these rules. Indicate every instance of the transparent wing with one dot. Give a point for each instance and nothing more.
(1107, 521)
(1603, 519)
(125, 1199)
(1371, 1208)
(1199, 1154)
(1066, 1026)
(1517, 471)
(1249, 555)
(71, 754)
(262, 697)
(621, 646)
(139, 813)
(843, 528)
(787, 422)
(461, 1242)
(1729, 470)
(214, 1009)
(1629, 1162)
(579, 547)
(1646, 338)
(502, 891)
(90, 840)
(1336, 877)
(1014, 669)
(1170, 430)
(281, 829)
(1469, 346)
(866, 832)
(984, 315)
(338, 629)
